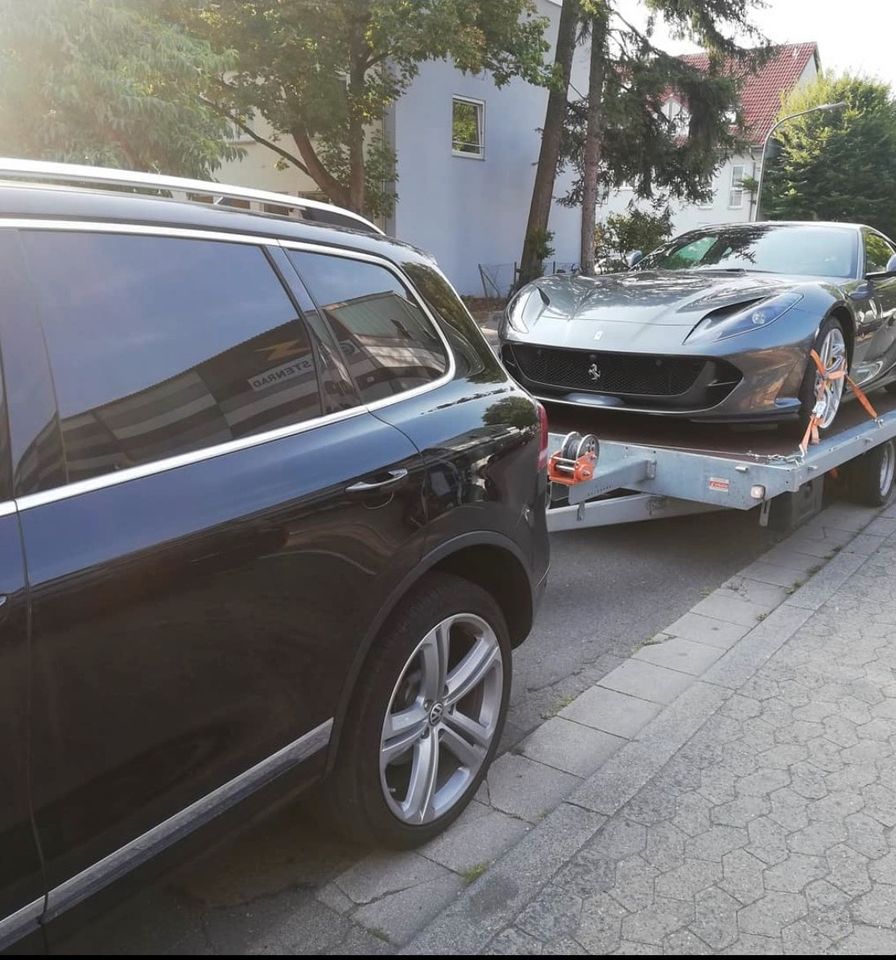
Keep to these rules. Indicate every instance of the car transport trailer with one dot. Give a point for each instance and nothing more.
(611, 467)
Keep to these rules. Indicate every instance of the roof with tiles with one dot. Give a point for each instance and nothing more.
(762, 91)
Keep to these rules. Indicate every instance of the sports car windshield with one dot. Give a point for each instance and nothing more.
(801, 250)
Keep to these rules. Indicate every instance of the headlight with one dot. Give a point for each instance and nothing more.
(721, 326)
(525, 308)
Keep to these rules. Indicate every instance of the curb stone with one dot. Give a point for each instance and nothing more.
(736, 651)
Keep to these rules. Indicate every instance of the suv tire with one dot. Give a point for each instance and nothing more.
(379, 790)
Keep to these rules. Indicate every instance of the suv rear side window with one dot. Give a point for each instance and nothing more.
(161, 346)
(388, 341)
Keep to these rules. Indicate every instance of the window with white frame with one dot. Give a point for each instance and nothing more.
(736, 193)
(680, 118)
(711, 202)
(468, 128)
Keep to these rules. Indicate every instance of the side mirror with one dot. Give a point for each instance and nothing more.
(634, 258)
(885, 274)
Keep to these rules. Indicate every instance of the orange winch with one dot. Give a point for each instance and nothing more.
(575, 460)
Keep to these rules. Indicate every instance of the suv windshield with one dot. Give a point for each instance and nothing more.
(820, 251)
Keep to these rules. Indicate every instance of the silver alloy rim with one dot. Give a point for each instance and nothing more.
(442, 718)
(833, 358)
(887, 467)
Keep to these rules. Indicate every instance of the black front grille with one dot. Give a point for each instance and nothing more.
(629, 374)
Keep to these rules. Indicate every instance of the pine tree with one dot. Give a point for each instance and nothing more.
(620, 132)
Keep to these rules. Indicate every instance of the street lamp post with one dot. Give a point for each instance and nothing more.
(768, 137)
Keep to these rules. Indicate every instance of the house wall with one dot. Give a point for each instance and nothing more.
(470, 211)
(687, 216)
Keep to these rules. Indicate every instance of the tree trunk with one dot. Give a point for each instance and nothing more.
(593, 142)
(318, 172)
(357, 174)
(549, 154)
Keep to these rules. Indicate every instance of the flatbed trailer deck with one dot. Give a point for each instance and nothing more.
(653, 467)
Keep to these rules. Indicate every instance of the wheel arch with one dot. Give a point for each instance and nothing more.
(487, 559)
(844, 315)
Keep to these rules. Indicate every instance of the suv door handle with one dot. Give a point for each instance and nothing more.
(368, 486)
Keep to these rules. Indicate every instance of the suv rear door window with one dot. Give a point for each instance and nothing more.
(161, 346)
(388, 341)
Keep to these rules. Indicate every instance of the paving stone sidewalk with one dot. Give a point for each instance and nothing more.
(756, 812)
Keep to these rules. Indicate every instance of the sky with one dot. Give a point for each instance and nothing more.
(856, 36)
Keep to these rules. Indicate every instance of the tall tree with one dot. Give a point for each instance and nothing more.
(107, 82)
(622, 130)
(536, 239)
(594, 117)
(837, 165)
(323, 72)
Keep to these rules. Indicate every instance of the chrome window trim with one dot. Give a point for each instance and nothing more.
(7, 507)
(31, 500)
(158, 838)
(79, 487)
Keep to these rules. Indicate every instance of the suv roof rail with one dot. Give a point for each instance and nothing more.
(48, 171)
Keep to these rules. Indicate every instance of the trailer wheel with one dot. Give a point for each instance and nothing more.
(870, 477)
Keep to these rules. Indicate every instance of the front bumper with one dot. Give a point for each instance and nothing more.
(742, 379)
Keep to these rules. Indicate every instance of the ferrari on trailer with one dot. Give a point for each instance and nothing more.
(718, 325)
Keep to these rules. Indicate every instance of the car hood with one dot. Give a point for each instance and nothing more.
(576, 310)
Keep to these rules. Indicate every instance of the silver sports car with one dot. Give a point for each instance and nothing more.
(718, 324)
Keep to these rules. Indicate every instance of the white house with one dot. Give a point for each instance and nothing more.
(791, 66)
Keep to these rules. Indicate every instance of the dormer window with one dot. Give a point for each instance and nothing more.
(680, 118)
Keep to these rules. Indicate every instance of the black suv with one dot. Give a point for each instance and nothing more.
(269, 506)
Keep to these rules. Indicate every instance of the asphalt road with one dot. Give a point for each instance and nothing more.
(610, 590)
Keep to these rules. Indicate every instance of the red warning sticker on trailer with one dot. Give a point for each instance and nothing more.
(720, 484)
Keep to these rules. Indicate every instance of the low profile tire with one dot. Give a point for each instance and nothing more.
(870, 478)
(830, 345)
(891, 387)
(427, 716)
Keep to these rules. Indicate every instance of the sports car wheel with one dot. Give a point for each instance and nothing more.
(830, 345)
(427, 719)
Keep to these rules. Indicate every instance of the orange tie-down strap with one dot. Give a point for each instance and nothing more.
(811, 434)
